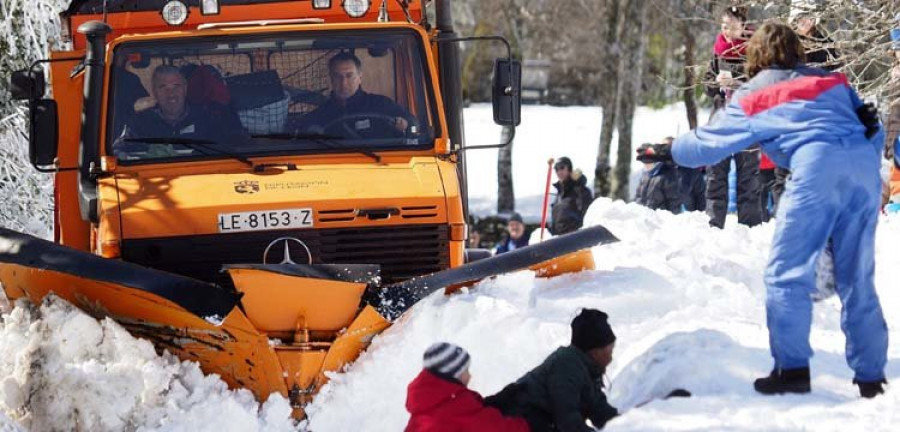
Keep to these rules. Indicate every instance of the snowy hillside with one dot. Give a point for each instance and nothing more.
(552, 132)
(686, 302)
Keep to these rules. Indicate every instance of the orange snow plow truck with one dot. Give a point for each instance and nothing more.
(261, 186)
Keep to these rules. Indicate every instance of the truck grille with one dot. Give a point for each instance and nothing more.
(402, 251)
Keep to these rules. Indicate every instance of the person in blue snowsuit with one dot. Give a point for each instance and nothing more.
(812, 122)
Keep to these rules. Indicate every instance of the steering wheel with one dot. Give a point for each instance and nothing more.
(343, 119)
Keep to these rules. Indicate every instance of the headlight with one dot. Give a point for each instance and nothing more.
(321, 4)
(356, 8)
(175, 12)
(209, 7)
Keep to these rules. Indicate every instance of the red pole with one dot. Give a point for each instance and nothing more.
(546, 197)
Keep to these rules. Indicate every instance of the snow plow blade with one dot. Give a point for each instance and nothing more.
(216, 327)
(566, 252)
(282, 328)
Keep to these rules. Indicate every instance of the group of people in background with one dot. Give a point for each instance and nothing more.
(571, 200)
(802, 142)
(759, 182)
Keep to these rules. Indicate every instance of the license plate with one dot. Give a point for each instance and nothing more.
(265, 220)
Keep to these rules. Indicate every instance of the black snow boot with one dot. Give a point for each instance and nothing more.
(870, 389)
(784, 381)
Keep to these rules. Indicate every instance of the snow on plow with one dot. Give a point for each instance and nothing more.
(282, 328)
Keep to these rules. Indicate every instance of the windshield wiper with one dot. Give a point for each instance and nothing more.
(192, 143)
(330, 141)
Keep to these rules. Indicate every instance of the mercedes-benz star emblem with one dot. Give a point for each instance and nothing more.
(290, 249)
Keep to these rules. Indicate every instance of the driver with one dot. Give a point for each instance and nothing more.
(172, 117)
(351, 112)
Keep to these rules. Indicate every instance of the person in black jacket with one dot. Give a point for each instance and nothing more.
(660, 185)
(172, 119)
(724, 75)
(566, 390)
(572, 198)
(351, 112)
(516, 237)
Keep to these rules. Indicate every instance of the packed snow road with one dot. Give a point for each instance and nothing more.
(685, 301)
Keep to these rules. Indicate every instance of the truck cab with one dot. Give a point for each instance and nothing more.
(197, 135)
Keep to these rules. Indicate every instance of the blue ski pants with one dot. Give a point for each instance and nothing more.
(834, 192)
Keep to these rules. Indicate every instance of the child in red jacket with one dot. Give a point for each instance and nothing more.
(439, 401)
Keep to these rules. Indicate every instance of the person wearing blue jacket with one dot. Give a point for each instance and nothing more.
(812, 122)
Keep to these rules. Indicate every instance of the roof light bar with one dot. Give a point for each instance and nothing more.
(175, 13)
(209, 7)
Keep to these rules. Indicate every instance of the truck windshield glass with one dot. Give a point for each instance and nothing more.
(296, 93)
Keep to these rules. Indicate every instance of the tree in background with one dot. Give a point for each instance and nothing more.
(28, 29)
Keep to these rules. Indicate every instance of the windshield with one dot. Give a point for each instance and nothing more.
(266, 95)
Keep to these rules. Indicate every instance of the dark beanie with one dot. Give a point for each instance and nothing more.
(515, 217)
(563, 162)
(590, 329)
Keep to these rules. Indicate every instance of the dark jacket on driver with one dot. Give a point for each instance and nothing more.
(327, 117)
(196, 123)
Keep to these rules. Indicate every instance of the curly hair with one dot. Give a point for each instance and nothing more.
(774, 44)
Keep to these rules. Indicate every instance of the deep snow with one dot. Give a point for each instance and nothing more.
(686, 302)
(687, 305)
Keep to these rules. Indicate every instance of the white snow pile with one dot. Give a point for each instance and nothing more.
(686, 302)
(60, 369)
(687, 305)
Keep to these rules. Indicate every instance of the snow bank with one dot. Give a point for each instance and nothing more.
(63, 370)
(687, 305)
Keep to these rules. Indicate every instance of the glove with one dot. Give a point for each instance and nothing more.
(651, 153)
(663, 152)
(868, 116)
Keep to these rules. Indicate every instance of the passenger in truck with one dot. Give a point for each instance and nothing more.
(353, 113)
(172, 126)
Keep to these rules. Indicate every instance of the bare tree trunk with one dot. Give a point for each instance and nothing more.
(506, 197)
(690, 105)
(631, 64)
(609, 96)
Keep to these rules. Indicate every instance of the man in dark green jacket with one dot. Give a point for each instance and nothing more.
(567, 388)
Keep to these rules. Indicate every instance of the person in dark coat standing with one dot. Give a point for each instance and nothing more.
(660, 186)
(572, 198)
(566, 390)
(516, 237)
(439, 401)
(726, 72)
(693, 184)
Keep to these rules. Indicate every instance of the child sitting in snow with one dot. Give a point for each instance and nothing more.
(660, 186)
(439, 401)
(567, 388)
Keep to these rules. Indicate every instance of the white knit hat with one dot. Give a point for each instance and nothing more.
(446, 360)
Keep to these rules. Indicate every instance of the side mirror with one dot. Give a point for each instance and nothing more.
(44, 133)
(507, 92)
(27, 84)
